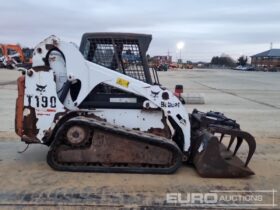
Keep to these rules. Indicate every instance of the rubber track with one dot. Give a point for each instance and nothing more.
(134, 134)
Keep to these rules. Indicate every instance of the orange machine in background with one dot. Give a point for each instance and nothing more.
(13, 55)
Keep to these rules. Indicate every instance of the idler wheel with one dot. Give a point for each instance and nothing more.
(77, 135)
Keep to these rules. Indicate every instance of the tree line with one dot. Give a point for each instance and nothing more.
(225, 60)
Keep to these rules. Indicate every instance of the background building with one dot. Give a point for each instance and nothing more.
(267, 60)
(162, 59)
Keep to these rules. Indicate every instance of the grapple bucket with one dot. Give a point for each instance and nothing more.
(208, 153)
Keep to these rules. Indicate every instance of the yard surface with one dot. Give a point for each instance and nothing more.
(252, 98)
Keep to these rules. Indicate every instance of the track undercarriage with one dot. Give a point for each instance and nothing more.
(84, 144)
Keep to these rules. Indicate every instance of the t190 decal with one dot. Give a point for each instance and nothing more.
(42, 101)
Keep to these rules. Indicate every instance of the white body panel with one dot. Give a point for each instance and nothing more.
(131, 118)
(44, 100)
(90, 75)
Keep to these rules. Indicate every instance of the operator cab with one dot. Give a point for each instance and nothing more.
(122, 52)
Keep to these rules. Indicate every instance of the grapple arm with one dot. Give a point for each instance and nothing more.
(210, 157)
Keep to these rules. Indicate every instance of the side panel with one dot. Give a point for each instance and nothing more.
(149, 121)
(41, 104)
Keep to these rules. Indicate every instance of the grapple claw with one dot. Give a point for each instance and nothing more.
(222, 136)
(239, 142)
(241, 135)
(230, 142)
(216, 162)
(213, 159)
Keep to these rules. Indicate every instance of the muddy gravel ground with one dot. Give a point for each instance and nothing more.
(253, 98)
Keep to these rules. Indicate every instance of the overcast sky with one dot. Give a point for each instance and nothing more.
(207, 27)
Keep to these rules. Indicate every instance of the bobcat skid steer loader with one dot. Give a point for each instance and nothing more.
(100, 109)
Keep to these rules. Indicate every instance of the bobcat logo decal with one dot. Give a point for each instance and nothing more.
(41, 88)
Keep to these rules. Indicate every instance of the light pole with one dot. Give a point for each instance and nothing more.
(180, 46)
